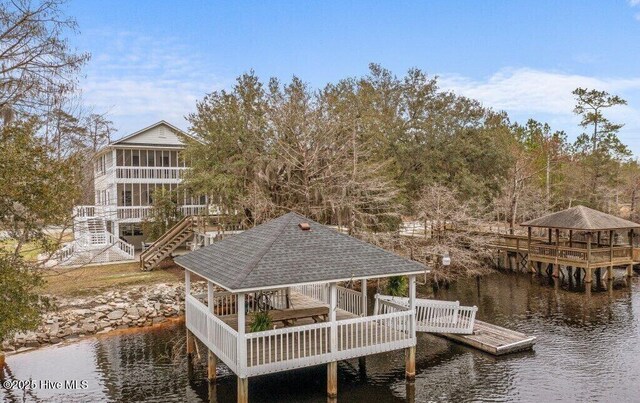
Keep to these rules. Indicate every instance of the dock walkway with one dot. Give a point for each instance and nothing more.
(493, 339)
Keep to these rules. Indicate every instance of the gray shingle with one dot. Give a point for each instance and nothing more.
(279, 253)
(581, 218)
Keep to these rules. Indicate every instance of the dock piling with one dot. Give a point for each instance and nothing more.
(410, 358)
(243, 390)
(332, 379)
(212, 363)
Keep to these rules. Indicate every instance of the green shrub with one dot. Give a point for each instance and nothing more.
(397, 286)
(261, 322)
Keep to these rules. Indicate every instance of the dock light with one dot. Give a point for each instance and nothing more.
(446, 260)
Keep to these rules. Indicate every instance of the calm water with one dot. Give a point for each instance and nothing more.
(588, 350)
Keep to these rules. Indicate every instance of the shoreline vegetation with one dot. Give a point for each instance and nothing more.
(107, 299)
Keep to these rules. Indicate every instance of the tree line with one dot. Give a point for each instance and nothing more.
(366, 151)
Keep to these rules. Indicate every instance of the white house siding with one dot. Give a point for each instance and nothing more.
(160, 135)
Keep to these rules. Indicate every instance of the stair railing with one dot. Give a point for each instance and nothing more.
(174, 231)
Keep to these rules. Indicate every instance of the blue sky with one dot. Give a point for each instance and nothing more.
(153, 59)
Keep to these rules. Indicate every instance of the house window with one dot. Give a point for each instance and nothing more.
(135, 160)
(150, 159)
(126, 198)
(165, 160)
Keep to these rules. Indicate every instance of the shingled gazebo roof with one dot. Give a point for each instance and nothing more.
(581, 218)
(281, 253)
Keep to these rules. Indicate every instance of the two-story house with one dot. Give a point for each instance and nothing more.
(127, 172)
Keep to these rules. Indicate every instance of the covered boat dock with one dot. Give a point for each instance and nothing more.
(290, 268)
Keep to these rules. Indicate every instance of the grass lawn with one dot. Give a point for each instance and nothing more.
(93, 280)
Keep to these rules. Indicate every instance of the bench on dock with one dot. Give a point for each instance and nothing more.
(290, 316)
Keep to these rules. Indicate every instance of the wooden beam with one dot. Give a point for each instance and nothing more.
(610, 268)
(588, 275)
(243, 390)
(410, 363)
(529, 261)
(556, 269)
(571, 238)
(212, 364)
(332, 379)
(588, 248)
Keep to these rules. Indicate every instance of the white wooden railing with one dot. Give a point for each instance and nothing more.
(142, 212)
(319, 292)
(349, 300)
(225, 303)
(122, 245)
(65, 252)
(288, 348)
(431, 315)
(84, 211)
(302, 346)
(146, 173)
(213, 332)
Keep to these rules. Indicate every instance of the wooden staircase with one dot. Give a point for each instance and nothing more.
(167, 243)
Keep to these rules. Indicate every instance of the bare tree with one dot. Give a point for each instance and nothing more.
(37, 63)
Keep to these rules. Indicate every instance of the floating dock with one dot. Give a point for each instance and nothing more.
(493, 339)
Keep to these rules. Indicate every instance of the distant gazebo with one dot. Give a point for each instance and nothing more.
(291, 267)
(581, 238)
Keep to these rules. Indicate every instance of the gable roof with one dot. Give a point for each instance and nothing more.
(581, 218)
(131, 138)
(280, 253)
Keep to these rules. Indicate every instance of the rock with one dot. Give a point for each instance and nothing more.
(89, 327)
(117, 314)
(132, 311)
(31, 343)
(126, 320)
(54, 340)
(102, 308)
(52, 329)
(158, 319)
(81, 312)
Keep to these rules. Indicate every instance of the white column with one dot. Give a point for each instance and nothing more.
(412, 292)
(210, 296)
(363, 286)
(242, 343)
(333, 302)
(412, 303)
(187, 282)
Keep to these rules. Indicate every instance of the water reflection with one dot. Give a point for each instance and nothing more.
(587, 350)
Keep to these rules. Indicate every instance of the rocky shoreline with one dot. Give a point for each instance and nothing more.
(72, 318)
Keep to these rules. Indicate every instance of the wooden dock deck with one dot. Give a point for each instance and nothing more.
(493, 339)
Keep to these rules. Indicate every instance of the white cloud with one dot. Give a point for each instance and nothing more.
(139, 80)
(546, 95)
(637, 16)
(634, 3)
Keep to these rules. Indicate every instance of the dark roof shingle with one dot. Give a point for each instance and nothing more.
(279, 253)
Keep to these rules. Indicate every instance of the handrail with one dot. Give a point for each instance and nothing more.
(349, 300)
